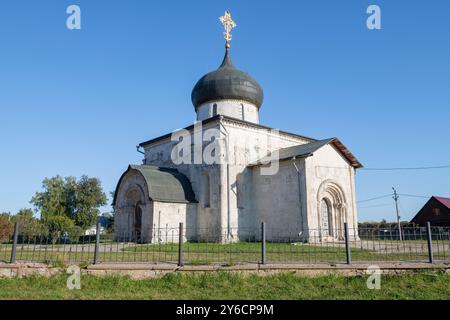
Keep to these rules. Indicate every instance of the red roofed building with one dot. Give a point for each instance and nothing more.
(436, 210)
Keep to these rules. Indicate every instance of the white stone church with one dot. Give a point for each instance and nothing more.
(302, 188)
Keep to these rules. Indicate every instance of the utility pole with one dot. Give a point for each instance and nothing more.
(395, 197)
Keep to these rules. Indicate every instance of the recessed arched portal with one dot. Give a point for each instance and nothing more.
(325, 218)
(332, 210)
(133, 213)
(138, 222)
(139, 190)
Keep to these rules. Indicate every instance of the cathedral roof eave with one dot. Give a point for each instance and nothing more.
(346, 153)
(229, 119)
(307, 150)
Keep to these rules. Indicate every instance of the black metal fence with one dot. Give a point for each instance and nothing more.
(214, 247)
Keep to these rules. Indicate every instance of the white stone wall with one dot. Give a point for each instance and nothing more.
(239, 198)
(329, 168)
(206, 217)
(167, 218)
(237, 109)
(247, 144)
(280, 201)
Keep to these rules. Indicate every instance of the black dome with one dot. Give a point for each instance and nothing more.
(227, 82)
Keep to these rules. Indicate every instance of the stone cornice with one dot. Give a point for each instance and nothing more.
(257, 127)
(235, 122)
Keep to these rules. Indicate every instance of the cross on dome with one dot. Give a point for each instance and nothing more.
(228, 25)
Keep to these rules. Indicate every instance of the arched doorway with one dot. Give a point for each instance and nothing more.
(326, 223)
(133, 213)
(138, 222)
(332, 211)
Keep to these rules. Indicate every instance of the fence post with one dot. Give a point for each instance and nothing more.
(430, 243)
(97, 243)
(180, 246)
(347, 244)
(263, 243)
(14, 246)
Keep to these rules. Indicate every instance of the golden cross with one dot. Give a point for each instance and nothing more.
(228, 24)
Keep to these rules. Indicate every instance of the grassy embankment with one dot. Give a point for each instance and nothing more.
(422, 285)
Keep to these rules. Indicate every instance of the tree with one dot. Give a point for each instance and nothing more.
(59, 225)
(79, 201)
(87, 200)
(74, 233)
(29, 226)
(54, 200)
(6, 228)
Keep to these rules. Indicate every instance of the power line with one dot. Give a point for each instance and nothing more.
(395, 196)
(411, 168)
(389, 195)
(376, 198)
(413, 195)
(376, 206)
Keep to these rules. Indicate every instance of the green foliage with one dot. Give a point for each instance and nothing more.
(78, 200)
(54, 200)
(84, 264)
(88, 197)
(383, 224)
(28, 224)
(107, 220)
(57, 262)
(63, 226)
(6, 228)
(75, 233)
(58, 225)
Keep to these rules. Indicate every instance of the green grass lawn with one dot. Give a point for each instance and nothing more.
(421, 285)
(215, 253)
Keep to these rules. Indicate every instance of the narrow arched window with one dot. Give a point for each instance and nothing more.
(240, 190)
(214, 110)
(206, 191)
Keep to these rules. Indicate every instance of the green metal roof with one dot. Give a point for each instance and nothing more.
(163, 184)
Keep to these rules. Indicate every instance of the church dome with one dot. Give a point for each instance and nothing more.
(225, 83)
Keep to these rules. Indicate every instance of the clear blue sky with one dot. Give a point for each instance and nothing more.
(78, 102)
